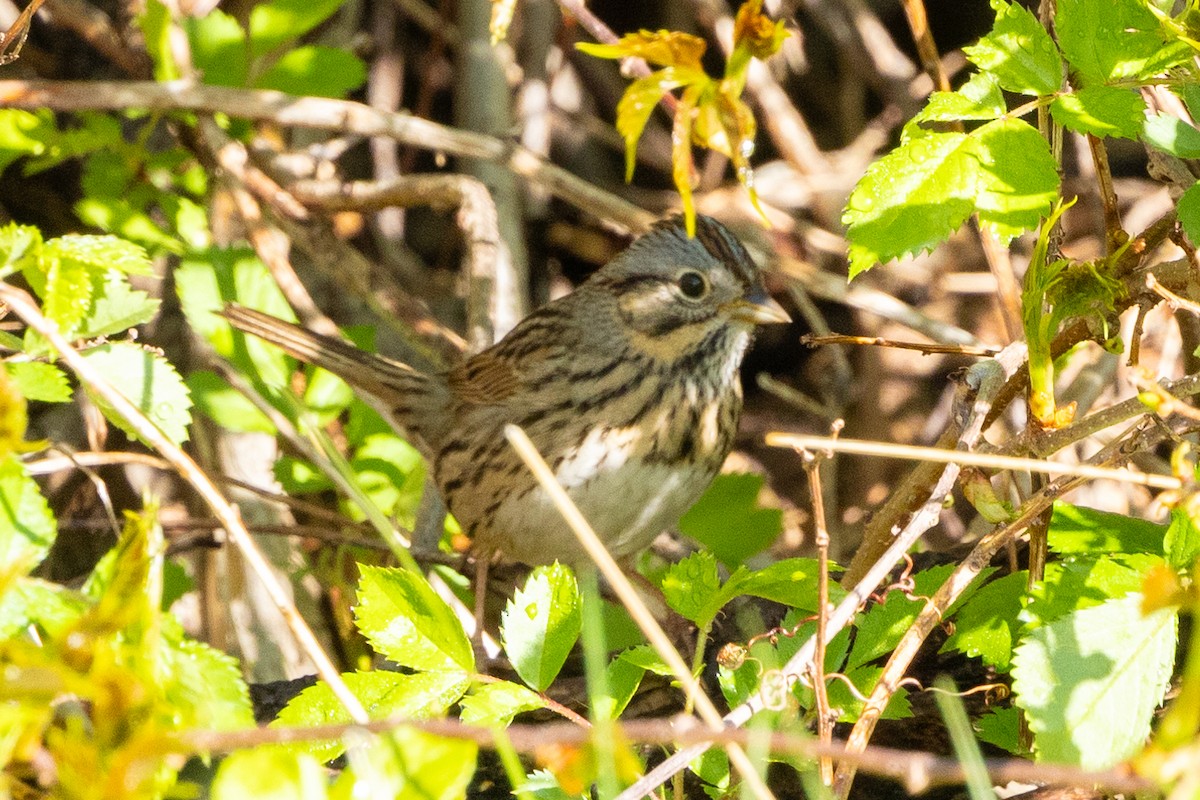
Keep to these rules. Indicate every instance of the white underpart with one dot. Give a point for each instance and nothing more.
(628, 502)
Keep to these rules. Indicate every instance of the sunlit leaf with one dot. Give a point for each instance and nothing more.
(664, 48)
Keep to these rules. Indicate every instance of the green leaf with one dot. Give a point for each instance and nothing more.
(405, 621)
(987, 626)
(206, 281)
(1019, 52)
(728, 520)
(1172, 135)
(25, 133)
(1001, 727)
(911, 200)
(639, 101)
(540, 624)
(100, 254)
(1188, 209)
(1017, 177)
(408, 764)
(31, 601)
(978, 98)
(1102, 111)
(421, 696)
(792, 582)
(692, 588)
(226, 406)
(269, 773)
(64, 285)
(27, 526)
(881, 628)
(149, 382)
(1081, 582)
(623, 678)
(864, 680)
(20, 245)
(155, 23)
(278, 22)
(1076, 529)
(491, 704)
(37, 380)
(218, 48)
(117, 307)
(206, 689)
(315, 70)
(1182, 541)
(1107, 40)
(392, 472)
(1090, 681)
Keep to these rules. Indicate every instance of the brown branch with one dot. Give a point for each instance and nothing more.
(916, 771)
(317, 113)
(878, 341)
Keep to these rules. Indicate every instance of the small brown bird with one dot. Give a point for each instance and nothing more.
(628, 386)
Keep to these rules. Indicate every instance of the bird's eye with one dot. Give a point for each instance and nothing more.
(693, 285)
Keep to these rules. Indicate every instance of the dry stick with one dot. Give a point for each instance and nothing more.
(14, 37)
(915, 770)
(812, 340)
(476, 219)
(962, 458)
(959, 580)
(633, 603)
(980, 386)
(148, 432)
(1114, 235)
(342, 116)
(1175, 301)
(825, 720)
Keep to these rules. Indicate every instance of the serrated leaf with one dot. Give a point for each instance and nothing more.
(1182, 540)
(1106, 40)
(978, 98)
(1188, 209)
(1102, 111)
(405, 621)
(882, 627)
(792, 582)
(206, 689)
(1017, 177)
(1090, 681)
(408, 764)
(492, 704)
(540, 624)
(691, 585)
(1172, 135)
(37, 380)
(314, 70)
(117, 307)
(31, 601)
(149, 382)
(20, 245)
(65, 288)
(728, 520)
(269, 773)
(623, 678)
(1019, 52)
(1079, 582)
(911, 199)
(864, 680)
(100, 253)
(1077, 529)
(421, 696)
(226, 406)
(987, 626)
(27, 526)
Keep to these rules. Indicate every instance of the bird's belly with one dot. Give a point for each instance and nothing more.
(627, 505)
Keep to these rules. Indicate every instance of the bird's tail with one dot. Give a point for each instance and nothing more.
(408, 392)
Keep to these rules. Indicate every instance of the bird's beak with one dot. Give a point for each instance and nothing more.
(758, 308)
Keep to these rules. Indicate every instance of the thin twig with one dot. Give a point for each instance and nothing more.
(878, 341)
(964, 458)
(23, 305)
(633, 603)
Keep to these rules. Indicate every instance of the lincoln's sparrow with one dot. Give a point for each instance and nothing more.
(628, 386)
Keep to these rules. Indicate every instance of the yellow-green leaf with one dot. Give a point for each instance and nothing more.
(664, 48)
(639, 100)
